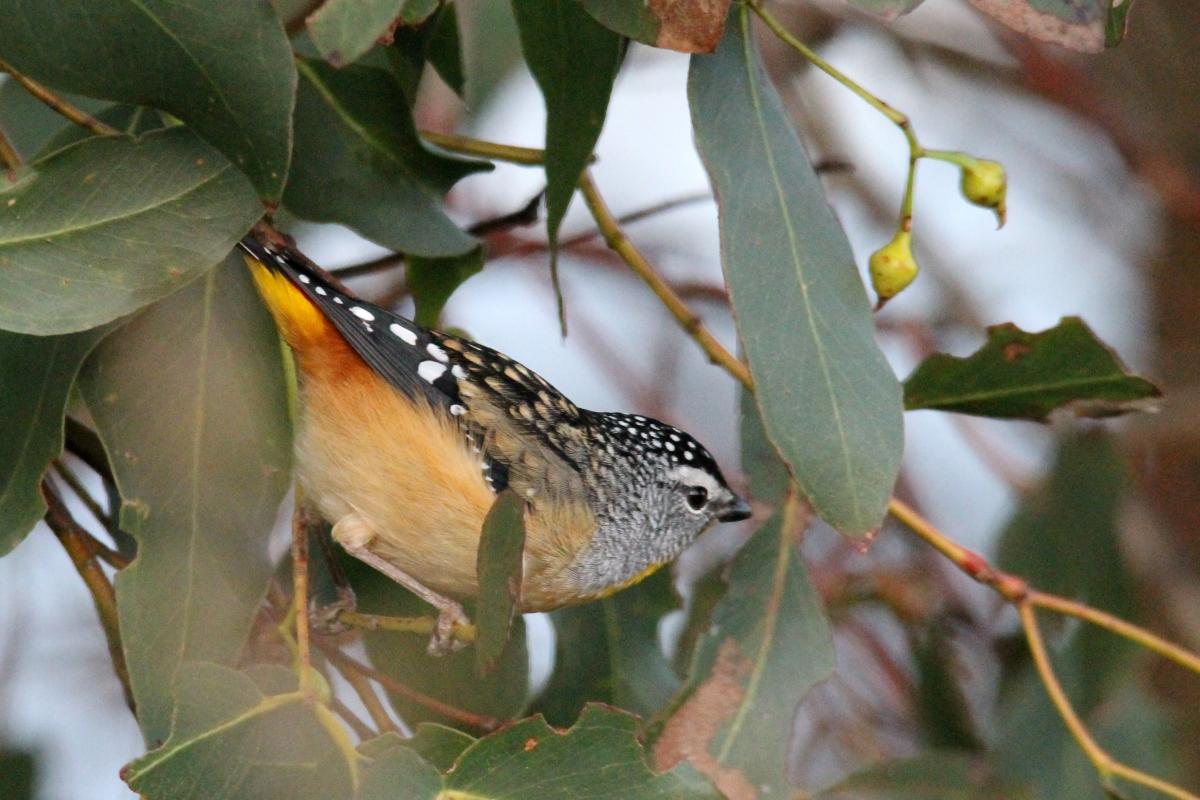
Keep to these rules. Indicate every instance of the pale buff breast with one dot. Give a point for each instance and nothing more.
(411, 476)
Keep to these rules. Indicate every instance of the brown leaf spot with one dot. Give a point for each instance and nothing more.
(690, 26)
(1015, 351)
(690, 732)
(530, 744)
(1087, 37)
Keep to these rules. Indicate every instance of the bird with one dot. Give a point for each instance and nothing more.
(406, 435)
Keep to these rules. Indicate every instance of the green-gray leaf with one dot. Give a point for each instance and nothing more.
(360, 163)
(229, 75)
(767, 645)
(1027, 375)
(433, 280)
(189, 401)
(608, 652)
(103, 227)
(226, 732)
(598, 757)
(343, 30)
(574, 60)
(499, 565)
(36, 375)
(830, 403)
(691, 26)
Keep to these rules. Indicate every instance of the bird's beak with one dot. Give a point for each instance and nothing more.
(737, 512)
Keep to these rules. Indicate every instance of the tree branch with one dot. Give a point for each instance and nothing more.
(74, 540)
(58, 104)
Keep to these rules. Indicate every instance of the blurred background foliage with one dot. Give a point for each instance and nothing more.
(841, 668)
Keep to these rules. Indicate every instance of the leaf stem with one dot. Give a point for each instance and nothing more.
(344, 662)
(466, 145)
(362, 687)
(74, 540)
(915, 150)
(9, 156)
(619, 243)
(300, 595)
(58, 104)
(1104, 763)
(98, 548)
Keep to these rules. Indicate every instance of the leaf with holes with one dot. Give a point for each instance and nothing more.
(608, 652)
(343, 30)
(690, 26)
(1020, 375)
(828, 399)
(36, 375)
(1085, 25)
(189, 401)
(103, 227)
(252, 730)
(360, 163)
(574, 61)
(229, 75)
(499, 565)
(768, 644)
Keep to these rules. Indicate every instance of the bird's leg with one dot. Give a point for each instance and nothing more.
(355, 536)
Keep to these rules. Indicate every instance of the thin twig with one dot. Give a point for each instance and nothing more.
(9, 156)
(616, 239)
(1104, 763)
(74, 540)
(361, 686)
(58, 104)
(527, 156)
(98, 548)
(361, 729)
(345, 662)
(300, 594)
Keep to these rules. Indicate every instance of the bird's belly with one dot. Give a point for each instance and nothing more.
(409, 474)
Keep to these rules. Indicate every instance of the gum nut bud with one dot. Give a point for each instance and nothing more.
(893, 267)
(984, 183)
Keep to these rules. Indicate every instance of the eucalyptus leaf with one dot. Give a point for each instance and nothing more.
(189, 401)
(360, 163)
(105, 226)
(499, 565)
(574, 60)
(343, 30)
(433, 280)
(36, 375)
(828, 399)
(768, 643)
(608, 651)
(1085, 25)
(229, 75)
(690, 26)
(227, 733)
(1020, 375)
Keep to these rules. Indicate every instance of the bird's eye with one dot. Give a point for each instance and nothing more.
(697, 496)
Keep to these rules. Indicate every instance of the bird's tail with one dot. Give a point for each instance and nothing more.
(276, 271)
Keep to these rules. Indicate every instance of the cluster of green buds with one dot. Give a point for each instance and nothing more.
(983, 183)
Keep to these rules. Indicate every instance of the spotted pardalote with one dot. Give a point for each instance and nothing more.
(406, 436)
